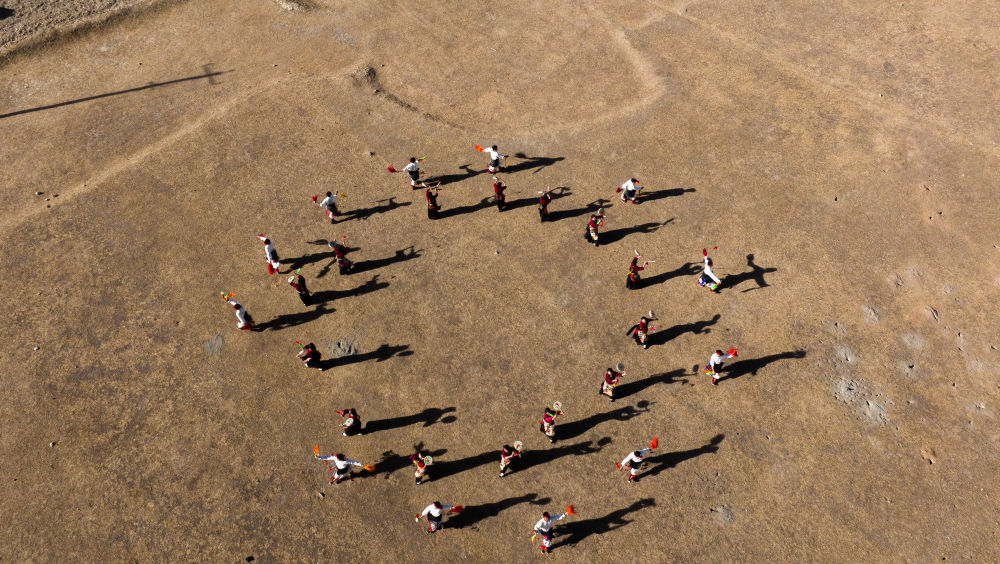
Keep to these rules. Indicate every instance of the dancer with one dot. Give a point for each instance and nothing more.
(435, 515)
(507, 453)
(498, 188)
(495, 158)
(593, 226)
(243, 319)
(630, 191)
(329, 204)
(708, 274)
(543, 528)
(641, 331)
(310, 355)
(547, 425)
(543, 205)
(633, 461)
(351, 425)
(341, 465)
(413, 169)
(298, 282)
(715, 364)
(633, 279)
(422, 462)
(611, 380)
(271, 255)
(339, 251)
(432, 205)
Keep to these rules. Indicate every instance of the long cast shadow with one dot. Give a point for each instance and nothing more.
(686, 269)
(294, 319)
(483, 204)
(756, 273)
(666, 335)
(473, 514)
(629, 388)
(614, 235)
(521, 203)
(458, 177)
(383, 352)
(752, 365)
(592, 207)
(537, 163)
(664, 194)
(668, 460)
(401, 255)
(366, 288)
(362, 214)
(576, 531)
(428, 417)
(443, 469)
(532, 458)
(581, 426)
(209, 75)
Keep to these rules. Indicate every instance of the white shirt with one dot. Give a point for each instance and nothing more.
(710, 274)
(412, 166)
(269, 252)
(495, 155)
(341, 464)
(241, 314)
(718, 359)
(434, 511)
(328, 200)
(634, 460)
(629, 186)
(545, 525)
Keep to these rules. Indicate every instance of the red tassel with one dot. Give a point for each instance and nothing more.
(314, 198)
(391, 169)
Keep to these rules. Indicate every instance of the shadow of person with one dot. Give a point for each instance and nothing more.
(630, 388)
(391, 462)
(592, 207)
(752, 365)
(614, 235)
(576, 428)
(294, 319)
(383, 352)
(686, 269)
(469, 172)
(667, 460)
(577, 530)
(428, 417)
(401, 255)
(646, 196)
(671, 333)
(366, 288)
(473, 514)
(449, 212)
(756, 273)
(537, 163)
(533, 458)
(443, 469)
(362, 214)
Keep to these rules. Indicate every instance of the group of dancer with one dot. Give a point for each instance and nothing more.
(342, 468)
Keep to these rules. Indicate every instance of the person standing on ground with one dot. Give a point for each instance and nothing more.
(633, 279)
(708, 274)
(715, 362)
(435, 515)
(633, 462)
(413, 169)
(341, 467)
(594, 225)
(498, 188)
(543, 205)
(432, 205)
(422, 463)
(641, 331)
(496, 159)
(507, 454)
(243, 320)
(630, 191)
(543, 528)
(298, 282)
(271, 255)
(352, 423)
(611, 380)
(329, 205)
(310, 355)
(548, 423)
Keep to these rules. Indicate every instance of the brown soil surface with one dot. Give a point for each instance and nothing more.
(850, 147)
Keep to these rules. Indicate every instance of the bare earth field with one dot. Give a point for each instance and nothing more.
(841, 155)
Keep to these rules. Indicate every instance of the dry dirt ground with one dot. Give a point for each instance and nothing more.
(850, 147)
